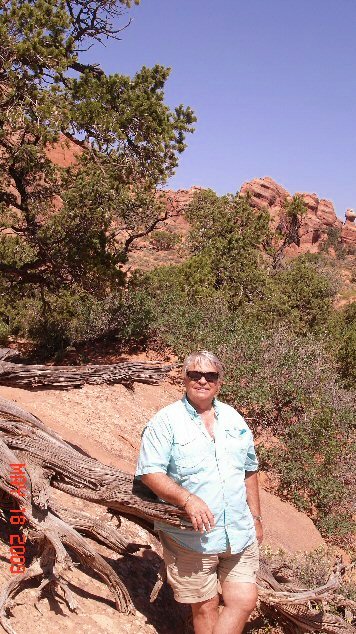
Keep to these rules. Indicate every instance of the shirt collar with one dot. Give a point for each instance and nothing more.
(193, 412)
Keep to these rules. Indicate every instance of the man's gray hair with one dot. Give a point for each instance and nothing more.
(197, 358)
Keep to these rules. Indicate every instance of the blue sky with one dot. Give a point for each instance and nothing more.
(272, 82)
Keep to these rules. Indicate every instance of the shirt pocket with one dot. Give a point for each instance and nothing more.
(191, 466)
(237, 443)
(190, 455)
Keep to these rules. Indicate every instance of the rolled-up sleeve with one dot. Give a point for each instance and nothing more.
(156, 447)
(251, 462)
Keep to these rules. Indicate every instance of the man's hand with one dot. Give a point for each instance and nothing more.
(199, 514)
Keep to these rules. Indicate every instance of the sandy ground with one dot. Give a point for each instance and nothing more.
(106, 422)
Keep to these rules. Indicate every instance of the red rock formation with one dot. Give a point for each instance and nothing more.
(348, 233)
(182, 197)
(176, 202)
(265, 192)
(64, 153)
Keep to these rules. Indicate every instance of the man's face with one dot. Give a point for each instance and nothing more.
(201, 391)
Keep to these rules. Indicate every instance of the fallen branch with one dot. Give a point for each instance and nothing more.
(65, 377)
(308, 609)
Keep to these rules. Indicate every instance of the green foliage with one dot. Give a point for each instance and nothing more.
(66, 232)
(289, 384)
(287, 231)
(343, 334)
(227, 242)
(225, 237)
(164, 240)
(142, 133)
(4, 333)
(308, 463)
(69, 317)
(307, 288)
(333, 241)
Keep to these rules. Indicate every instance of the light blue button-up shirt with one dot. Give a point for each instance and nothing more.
(177, 443)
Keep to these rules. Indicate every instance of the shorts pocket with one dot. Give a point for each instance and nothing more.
(251, 555)
(168, 555)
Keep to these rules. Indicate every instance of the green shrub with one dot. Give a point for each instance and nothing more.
(164, 240)
(343, 340)
(280, 379)
(334, 241)
(226, 236)
(4, 333)
(307, 287)
(307, 462)
(313, 419)
(67, 318)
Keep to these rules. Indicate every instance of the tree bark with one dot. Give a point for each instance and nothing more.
(66, 377)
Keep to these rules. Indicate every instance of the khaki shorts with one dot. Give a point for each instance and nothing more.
(196, 577)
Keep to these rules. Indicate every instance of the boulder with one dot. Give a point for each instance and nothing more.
(350, 216)
(348, 234)
(287, 528)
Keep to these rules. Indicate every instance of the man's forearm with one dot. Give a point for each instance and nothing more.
(253, 501)
(163, 486)
(196, 509)
(252, 493)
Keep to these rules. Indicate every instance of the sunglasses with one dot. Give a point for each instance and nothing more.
(210, 377)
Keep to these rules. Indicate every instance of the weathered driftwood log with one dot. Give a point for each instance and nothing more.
(50, 463)
(307, 609)
(66, 377)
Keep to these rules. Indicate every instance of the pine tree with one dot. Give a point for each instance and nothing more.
(76, 225)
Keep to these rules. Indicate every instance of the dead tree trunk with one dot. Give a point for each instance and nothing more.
(51, 463)
(66, 377)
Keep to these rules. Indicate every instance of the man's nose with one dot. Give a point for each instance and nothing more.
(202, 380)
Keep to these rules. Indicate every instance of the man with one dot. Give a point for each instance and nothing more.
(198, 454)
